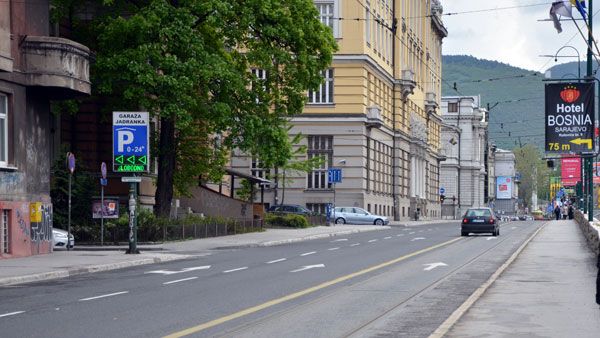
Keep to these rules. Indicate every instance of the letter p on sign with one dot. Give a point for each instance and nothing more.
(124, 137)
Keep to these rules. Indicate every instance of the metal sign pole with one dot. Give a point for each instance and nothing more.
(102, 215)
(132, 220)
(69, 222)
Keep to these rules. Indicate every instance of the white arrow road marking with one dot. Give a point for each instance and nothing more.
(103, 296)
(355, 244)
(179, 280)
(432, 266)
(308, 253)
(331, 249)
(340, 240)
(238, 269)
(388, 237)
(170, 272)
(373, 240)
(306, 267)
(417, 239)
(490, 238)
(277, 260)
(11, 313)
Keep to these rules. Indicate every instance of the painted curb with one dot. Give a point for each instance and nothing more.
(44, 276)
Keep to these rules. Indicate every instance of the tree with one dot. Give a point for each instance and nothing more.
(191, 64)
(533, 170)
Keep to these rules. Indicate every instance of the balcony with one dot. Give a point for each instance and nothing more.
(374, 119)
(57, 63)
(407, 83)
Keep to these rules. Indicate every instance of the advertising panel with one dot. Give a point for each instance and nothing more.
(504, 187)
(570, 168)
(111, 208)
(596, 173)
(569, 117)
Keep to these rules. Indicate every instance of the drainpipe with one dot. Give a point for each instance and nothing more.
(394, 157)
(459, 158)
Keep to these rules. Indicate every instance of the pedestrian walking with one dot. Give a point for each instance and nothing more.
(564, 211)
(570, 212)
(557, 212)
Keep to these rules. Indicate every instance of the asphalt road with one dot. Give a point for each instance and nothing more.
(397, 282)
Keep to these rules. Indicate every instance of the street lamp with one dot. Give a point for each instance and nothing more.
(556, 56)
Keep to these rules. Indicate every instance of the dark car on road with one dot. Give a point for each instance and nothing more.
(479, 220)
(289, 209)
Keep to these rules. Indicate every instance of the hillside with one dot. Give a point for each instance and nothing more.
(515, 97)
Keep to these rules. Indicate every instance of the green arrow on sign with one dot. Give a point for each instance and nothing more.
(143, 159)
(131, 159)
(119, 159)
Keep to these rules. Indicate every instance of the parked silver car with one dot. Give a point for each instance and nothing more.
(59, 237)
(353, 215)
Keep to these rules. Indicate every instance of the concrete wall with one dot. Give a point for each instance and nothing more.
(591, 231)
(211, 203)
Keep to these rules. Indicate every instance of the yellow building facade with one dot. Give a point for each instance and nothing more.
(375, 116)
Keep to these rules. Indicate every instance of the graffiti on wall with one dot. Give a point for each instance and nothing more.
(41, 222)
(22, 224)
(11, 183)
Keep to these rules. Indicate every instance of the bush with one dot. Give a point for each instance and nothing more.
(289, 221)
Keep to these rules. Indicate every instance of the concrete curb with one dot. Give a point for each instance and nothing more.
(301, 239)
(44, 276)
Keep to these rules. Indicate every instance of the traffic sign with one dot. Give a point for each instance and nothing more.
(71, 162)
(131, 146)
(103, 170)
(442, 190)
(131, 179)
(334, 175)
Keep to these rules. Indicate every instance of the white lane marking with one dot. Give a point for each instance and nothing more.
(103, 296)
(179, 280)
(373, 240)
(277, 260)
(410, 233)
(431, 266)
(513, 227)
(308, 253)
(11, 313)
(307, 267)
(238, 269)
(388, 237)
(331, 249)
(490, 238)
(340, 240)
(355, 244)
(429, 229)
(170, 272)
(400, 235)
(417, 239)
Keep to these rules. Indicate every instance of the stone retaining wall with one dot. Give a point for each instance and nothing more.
(590, 231)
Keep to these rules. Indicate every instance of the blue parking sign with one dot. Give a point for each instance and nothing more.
(334, 175)
(131, 147)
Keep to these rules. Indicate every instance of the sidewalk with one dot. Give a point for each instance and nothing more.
(548, 291)
(60, 264)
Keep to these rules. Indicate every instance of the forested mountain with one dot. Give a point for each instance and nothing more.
(515, 96)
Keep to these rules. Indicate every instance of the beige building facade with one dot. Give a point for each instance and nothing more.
(375, 116)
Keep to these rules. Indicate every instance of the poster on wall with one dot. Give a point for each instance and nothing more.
(111, 208)
(504, 187)
(570, 170)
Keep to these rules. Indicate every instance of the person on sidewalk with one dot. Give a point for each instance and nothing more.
(557, 212)
(570, 213)
(563, 211)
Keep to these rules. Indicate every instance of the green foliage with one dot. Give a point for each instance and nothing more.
(83, 187)
(289, 221)
(191, 61)
(520, 110)
(533, 170)
(245, 193)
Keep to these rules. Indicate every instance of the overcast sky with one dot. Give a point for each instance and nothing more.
(513, 36)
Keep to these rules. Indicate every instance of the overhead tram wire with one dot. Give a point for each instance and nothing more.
(483, 10)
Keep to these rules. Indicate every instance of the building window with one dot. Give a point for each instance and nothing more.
(258, 170)
(452, 107)
(5, 244)
(320, 146)
(3, 130)
(329, 14)
(318, 208)
(368, 24)
(325, 92)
